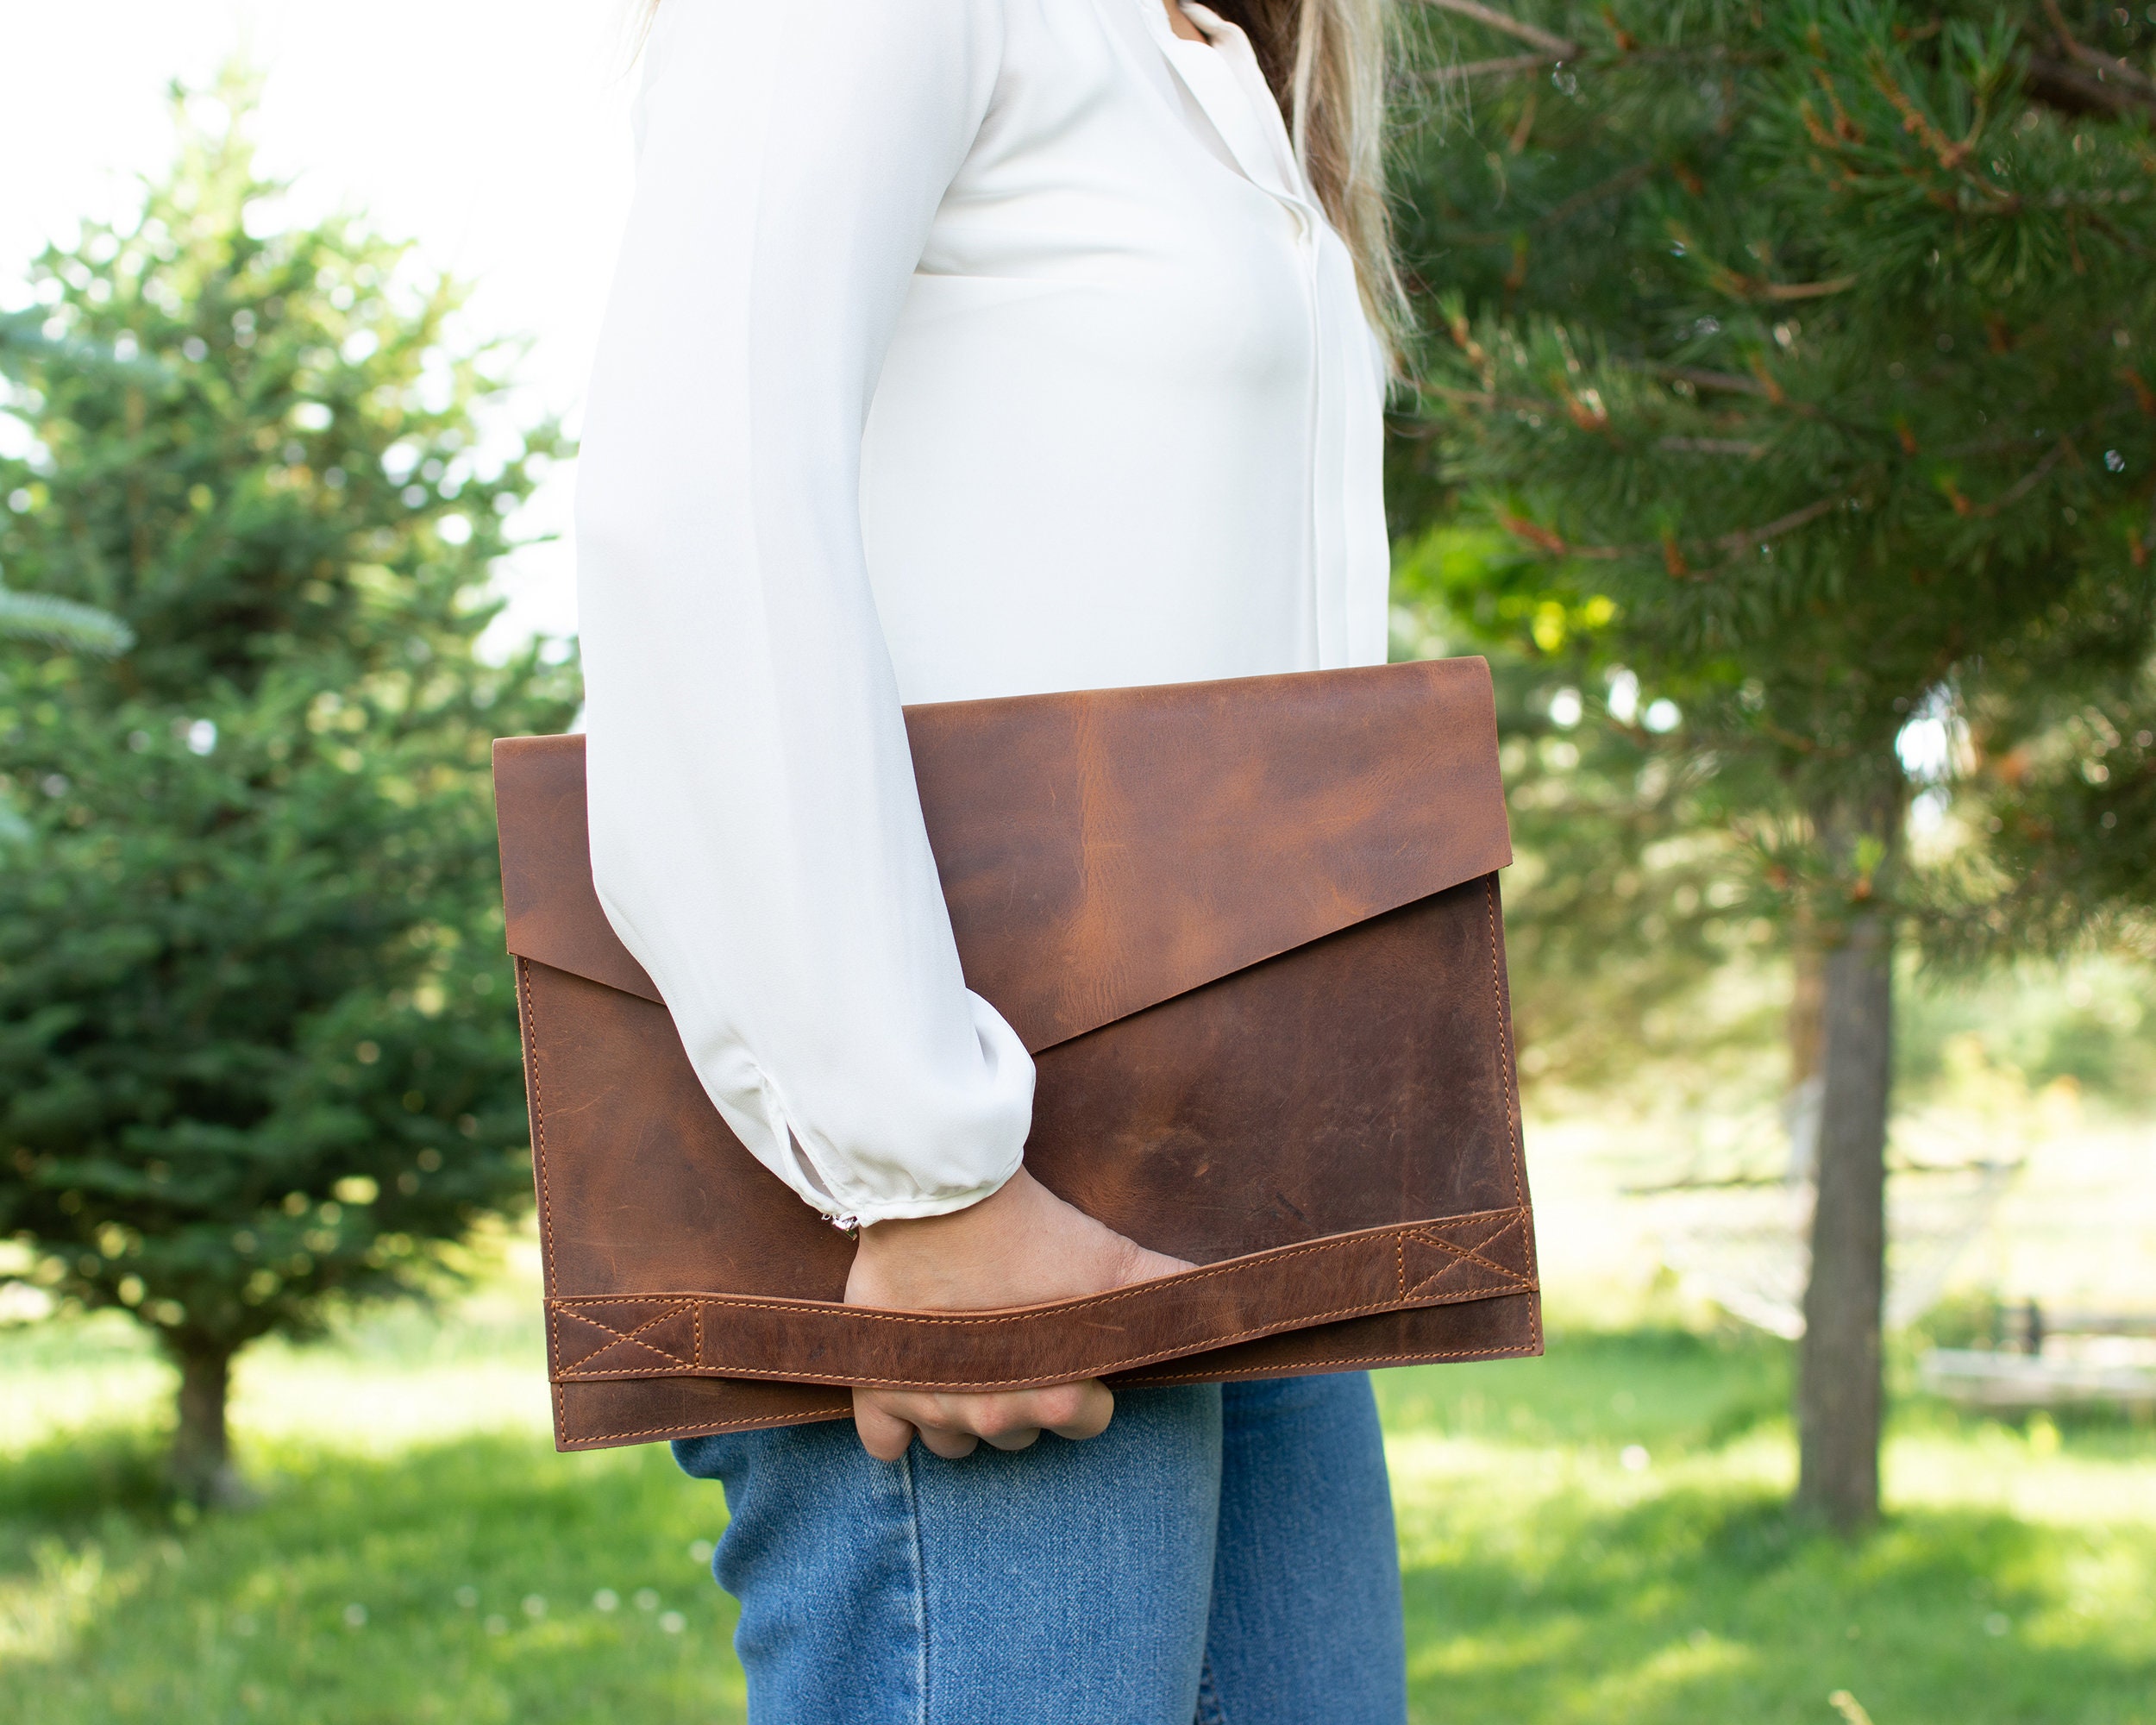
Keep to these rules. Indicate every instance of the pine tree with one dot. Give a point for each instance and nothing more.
(256, 1053)
(39, 617)
(1803, 353)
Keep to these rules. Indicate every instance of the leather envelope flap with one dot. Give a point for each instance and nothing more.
(1105, 851)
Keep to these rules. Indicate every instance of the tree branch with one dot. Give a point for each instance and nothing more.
(1733, 382)
(1489, 68)
(1487, 400)
(1623, 180)
(1547, 539)
(1745, 538)
(1712, 446)
(2015, 492)
(1556, 46)
(2070, 86)
(2103, 63)
(1802, 290)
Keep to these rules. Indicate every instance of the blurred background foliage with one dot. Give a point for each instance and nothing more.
(1649, 390)
(1647, 972)
(1780, 414)
(256, 1044)
(1691, 271)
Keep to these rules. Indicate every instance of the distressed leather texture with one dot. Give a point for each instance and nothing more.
(1251, 931)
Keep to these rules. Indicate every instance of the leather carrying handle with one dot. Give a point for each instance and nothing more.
(1436, 1263)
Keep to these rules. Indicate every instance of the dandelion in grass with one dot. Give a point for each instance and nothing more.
(1634, 1458)
(355, 1615)
(606, 1600)
(647, 1599)
(672, 1622)
(534, 1606)
(467, 1596)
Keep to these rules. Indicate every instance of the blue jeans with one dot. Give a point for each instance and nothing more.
(1222, 1555)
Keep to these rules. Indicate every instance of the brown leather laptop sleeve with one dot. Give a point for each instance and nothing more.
(1250, 930)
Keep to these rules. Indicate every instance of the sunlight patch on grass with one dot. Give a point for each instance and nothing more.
(44, 1403)
(1997, 1468)
(41, 1614)
(374, 1409)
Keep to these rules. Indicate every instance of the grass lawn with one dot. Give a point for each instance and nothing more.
(1596, 1537)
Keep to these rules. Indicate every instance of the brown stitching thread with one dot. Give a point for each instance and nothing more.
(621, 1336)
(1469, 1252)
(1138, 1358)
(538, 1111)
(1461, 1254)
(1426, 1232)
(673, 1311)
(1074, 1376)
(1468, 1259)
(1504, 1066)
(839, 1413)
(1444, 1270)
(1079, 1375)
(1399, 1235)
(1152, 1377)
(1437, 1276)
(1503, 1222)
(1512, 1283)
(1130, 1292)
(1185, 1278)
(1341, 1242)
(555, 1329)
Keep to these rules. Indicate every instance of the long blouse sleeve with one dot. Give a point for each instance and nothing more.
(758, 840)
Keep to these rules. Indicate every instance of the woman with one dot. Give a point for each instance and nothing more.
(965, 349)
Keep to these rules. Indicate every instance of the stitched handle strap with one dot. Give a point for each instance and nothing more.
(1436, 1263)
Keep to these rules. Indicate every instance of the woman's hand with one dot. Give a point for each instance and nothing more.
(1019, 1246)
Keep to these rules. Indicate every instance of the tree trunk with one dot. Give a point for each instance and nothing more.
(1839, 1392)
(1807, 1027)
(1807, 1021)
(201, 1468)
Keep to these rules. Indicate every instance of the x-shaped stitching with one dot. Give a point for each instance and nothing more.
(582, 1317)
(1470, 1255)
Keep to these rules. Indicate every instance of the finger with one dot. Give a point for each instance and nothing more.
(948, 1443)
(883, 1433)
(1011, 1420)
(950, 1424)
(1084, 1414)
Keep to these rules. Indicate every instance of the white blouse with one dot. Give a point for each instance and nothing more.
(958, 349)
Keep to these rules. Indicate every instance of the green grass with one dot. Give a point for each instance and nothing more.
(1548, 1580)
(455, 1582)
(420, 1553)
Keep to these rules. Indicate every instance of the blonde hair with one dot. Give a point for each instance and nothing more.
(1325, 61)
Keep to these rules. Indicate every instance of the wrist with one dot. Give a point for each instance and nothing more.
(894, 1236)
(856, 1223)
